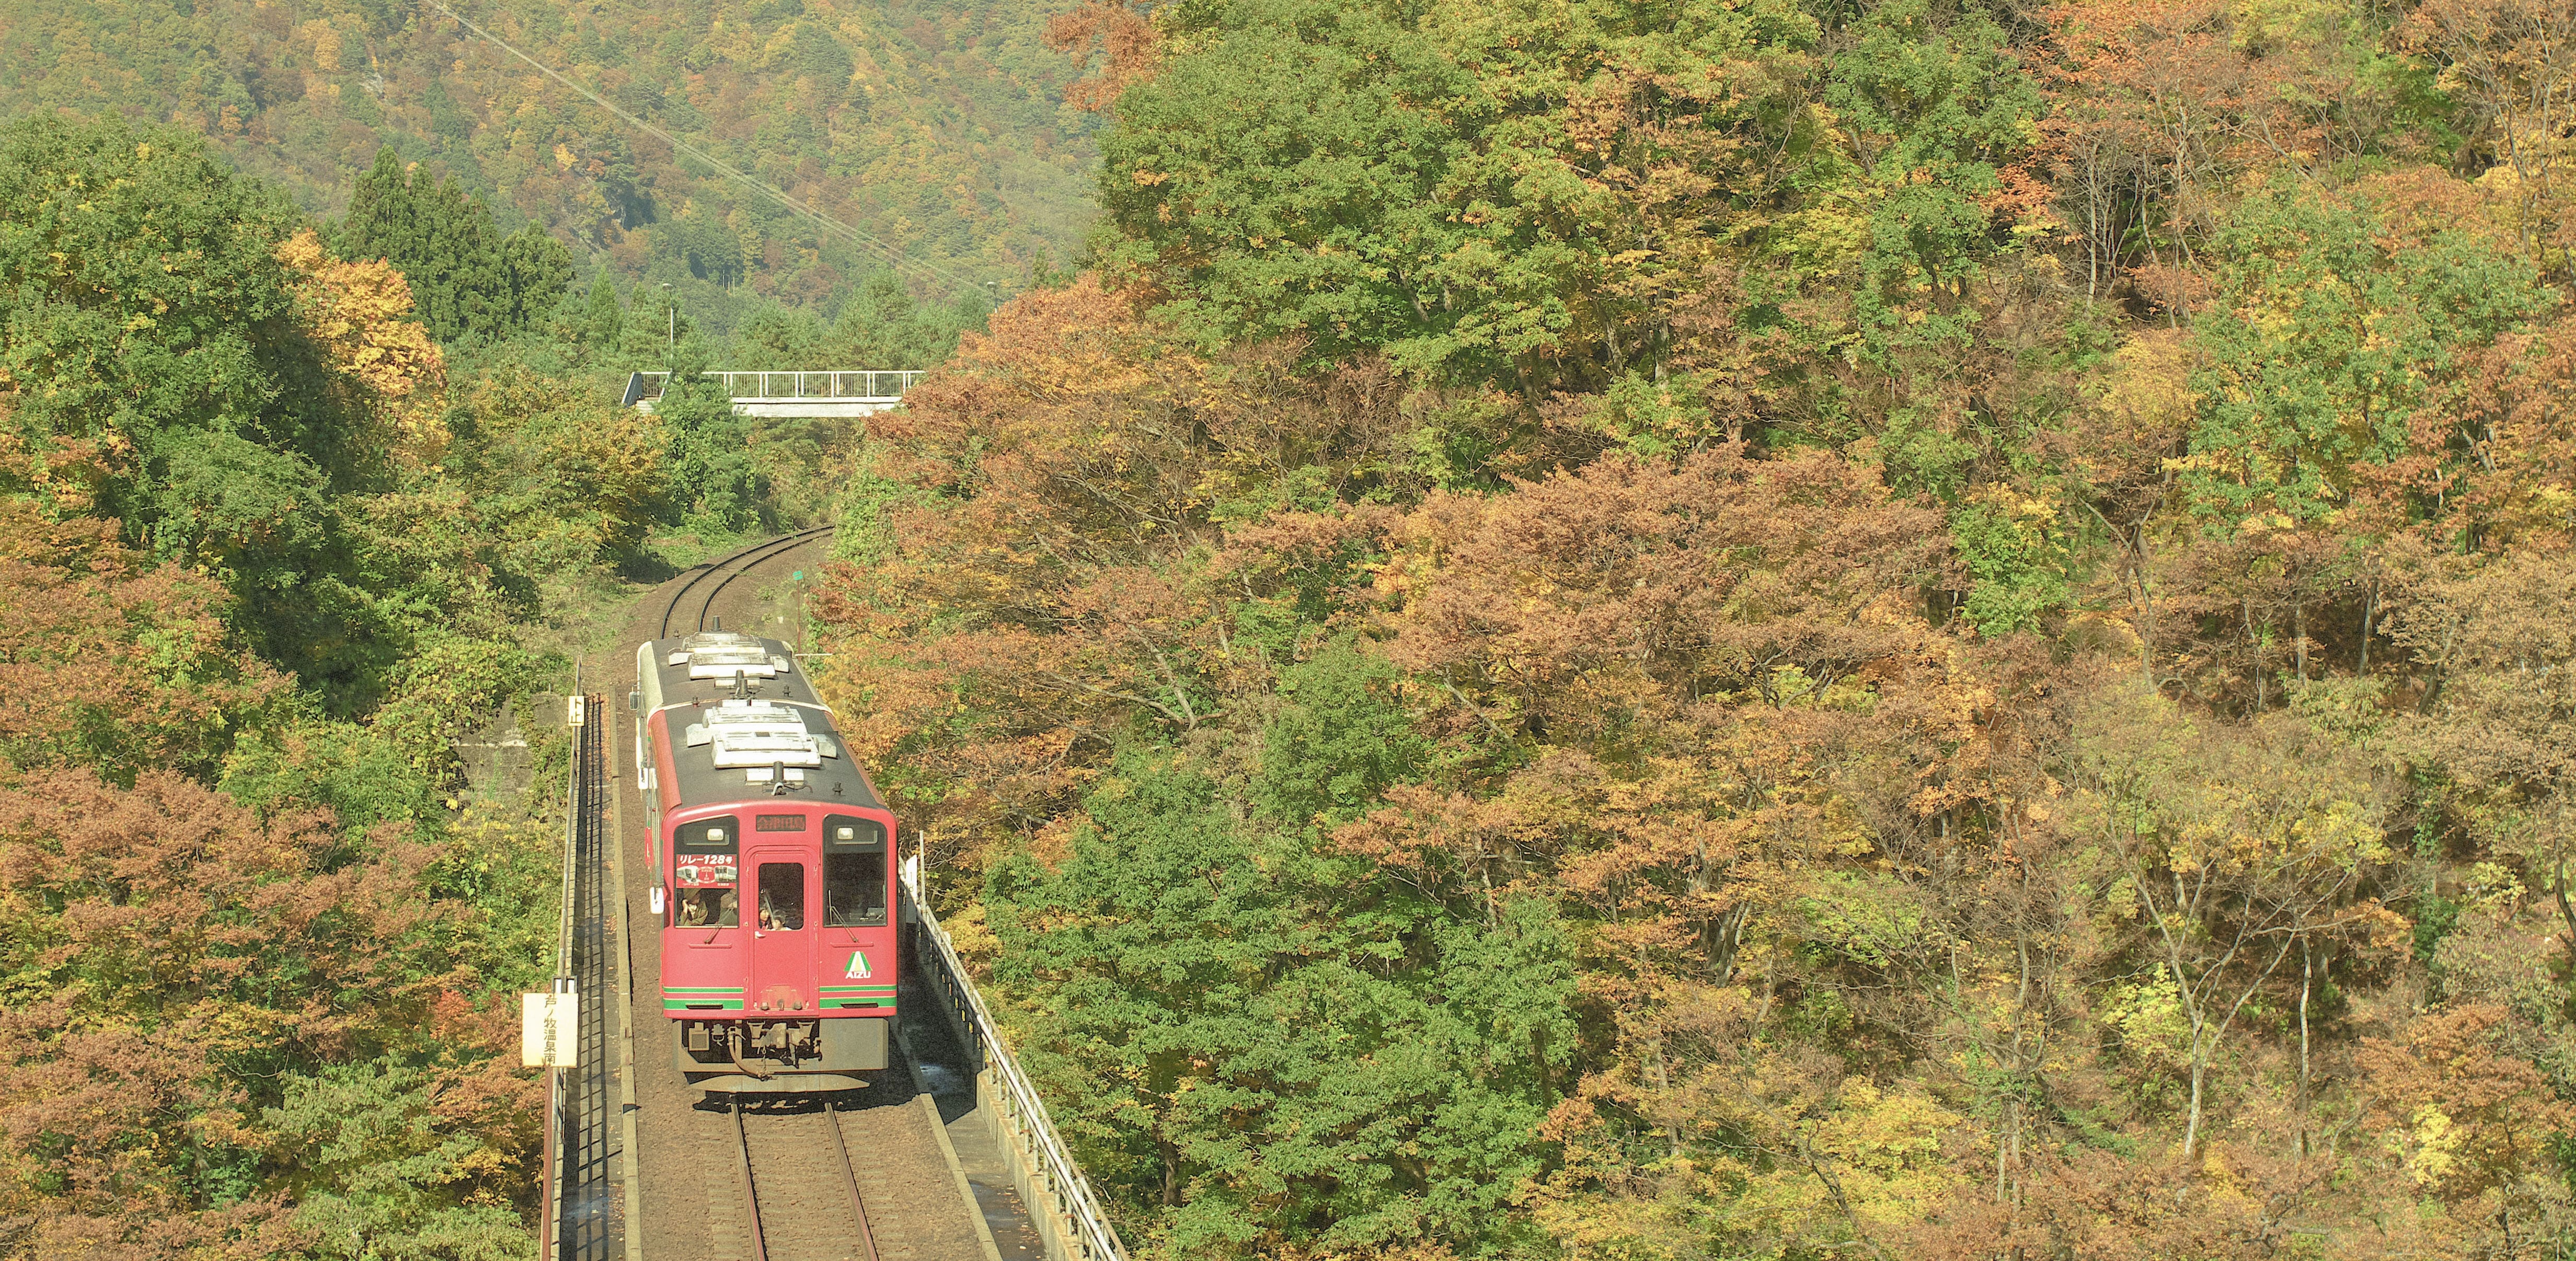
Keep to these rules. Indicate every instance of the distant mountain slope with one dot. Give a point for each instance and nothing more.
(936, 128)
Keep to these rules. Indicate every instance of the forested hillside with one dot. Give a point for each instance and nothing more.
(937, 131)
(1699, 629)
(279, 528)
(1759, 629)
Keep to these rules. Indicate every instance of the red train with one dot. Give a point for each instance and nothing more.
(773, 879)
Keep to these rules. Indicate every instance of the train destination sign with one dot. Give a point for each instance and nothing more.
(704, 871)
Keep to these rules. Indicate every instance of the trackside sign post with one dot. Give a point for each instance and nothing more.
(547, 1023)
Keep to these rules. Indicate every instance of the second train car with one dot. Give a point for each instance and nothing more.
(773, 887)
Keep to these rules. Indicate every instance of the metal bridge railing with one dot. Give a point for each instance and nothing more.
(857, 384)
(577, 1219)
(1061, 1189)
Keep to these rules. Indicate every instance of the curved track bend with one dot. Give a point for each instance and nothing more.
(724, 569)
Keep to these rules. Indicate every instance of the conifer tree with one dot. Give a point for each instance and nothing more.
(606, 317)
(540, 273)
(465, 277)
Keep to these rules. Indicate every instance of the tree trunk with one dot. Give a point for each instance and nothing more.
(2566, 909)
(2199, 1070)
(2146, 603)
(2010, 1157)
(2307, 980)
(1719, 940)
(2254, 653)
(2003, 1145)
(2299, 625)
(1664, 1084)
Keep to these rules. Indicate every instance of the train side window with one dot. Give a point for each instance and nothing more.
(854, 890)
(782, 896)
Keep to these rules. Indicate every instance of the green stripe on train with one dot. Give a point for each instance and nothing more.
(701, 989)
(682, 1004)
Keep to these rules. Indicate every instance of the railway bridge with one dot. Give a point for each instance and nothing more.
(790, 393)
(949, 1155)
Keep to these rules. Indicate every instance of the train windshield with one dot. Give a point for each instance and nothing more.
(707, 908)
(782, 896)
(703, 862)
(854, 890)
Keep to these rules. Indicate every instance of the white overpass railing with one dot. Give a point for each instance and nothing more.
(855, 385)
(1070, 1223)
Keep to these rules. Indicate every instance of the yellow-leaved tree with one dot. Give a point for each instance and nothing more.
(359, 315)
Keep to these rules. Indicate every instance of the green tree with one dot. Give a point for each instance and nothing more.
(149, 325)
(714, 478)
(604, 318)
(1339, 741)
(540, 274)
(881, 326)
(382, 1175)
(465, 276)
(1255, 1036)
(1525, 194)
(2335, 325)
(1277, 181)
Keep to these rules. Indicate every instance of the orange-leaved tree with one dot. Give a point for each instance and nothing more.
(174, 961)
(1034, 568)
(1706, 714)
(107, 660)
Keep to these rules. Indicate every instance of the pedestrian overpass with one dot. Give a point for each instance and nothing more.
(836, 392)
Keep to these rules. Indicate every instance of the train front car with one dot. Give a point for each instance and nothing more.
(774, 884)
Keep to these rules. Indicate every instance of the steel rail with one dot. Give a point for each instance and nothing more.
(709, 569)
(850, 1177)
(756, 1231)
(789, 544)
(750, 1190)
(590, 1209)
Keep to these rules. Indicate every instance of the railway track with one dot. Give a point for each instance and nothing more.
(724, 569)
(800, 1198)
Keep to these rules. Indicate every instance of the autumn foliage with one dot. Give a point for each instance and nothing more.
(361, 315)
(262, 565)
(1969, 608)
(108, 661)
(171, 944)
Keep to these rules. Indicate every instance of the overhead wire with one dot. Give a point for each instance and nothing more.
(894, 256)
